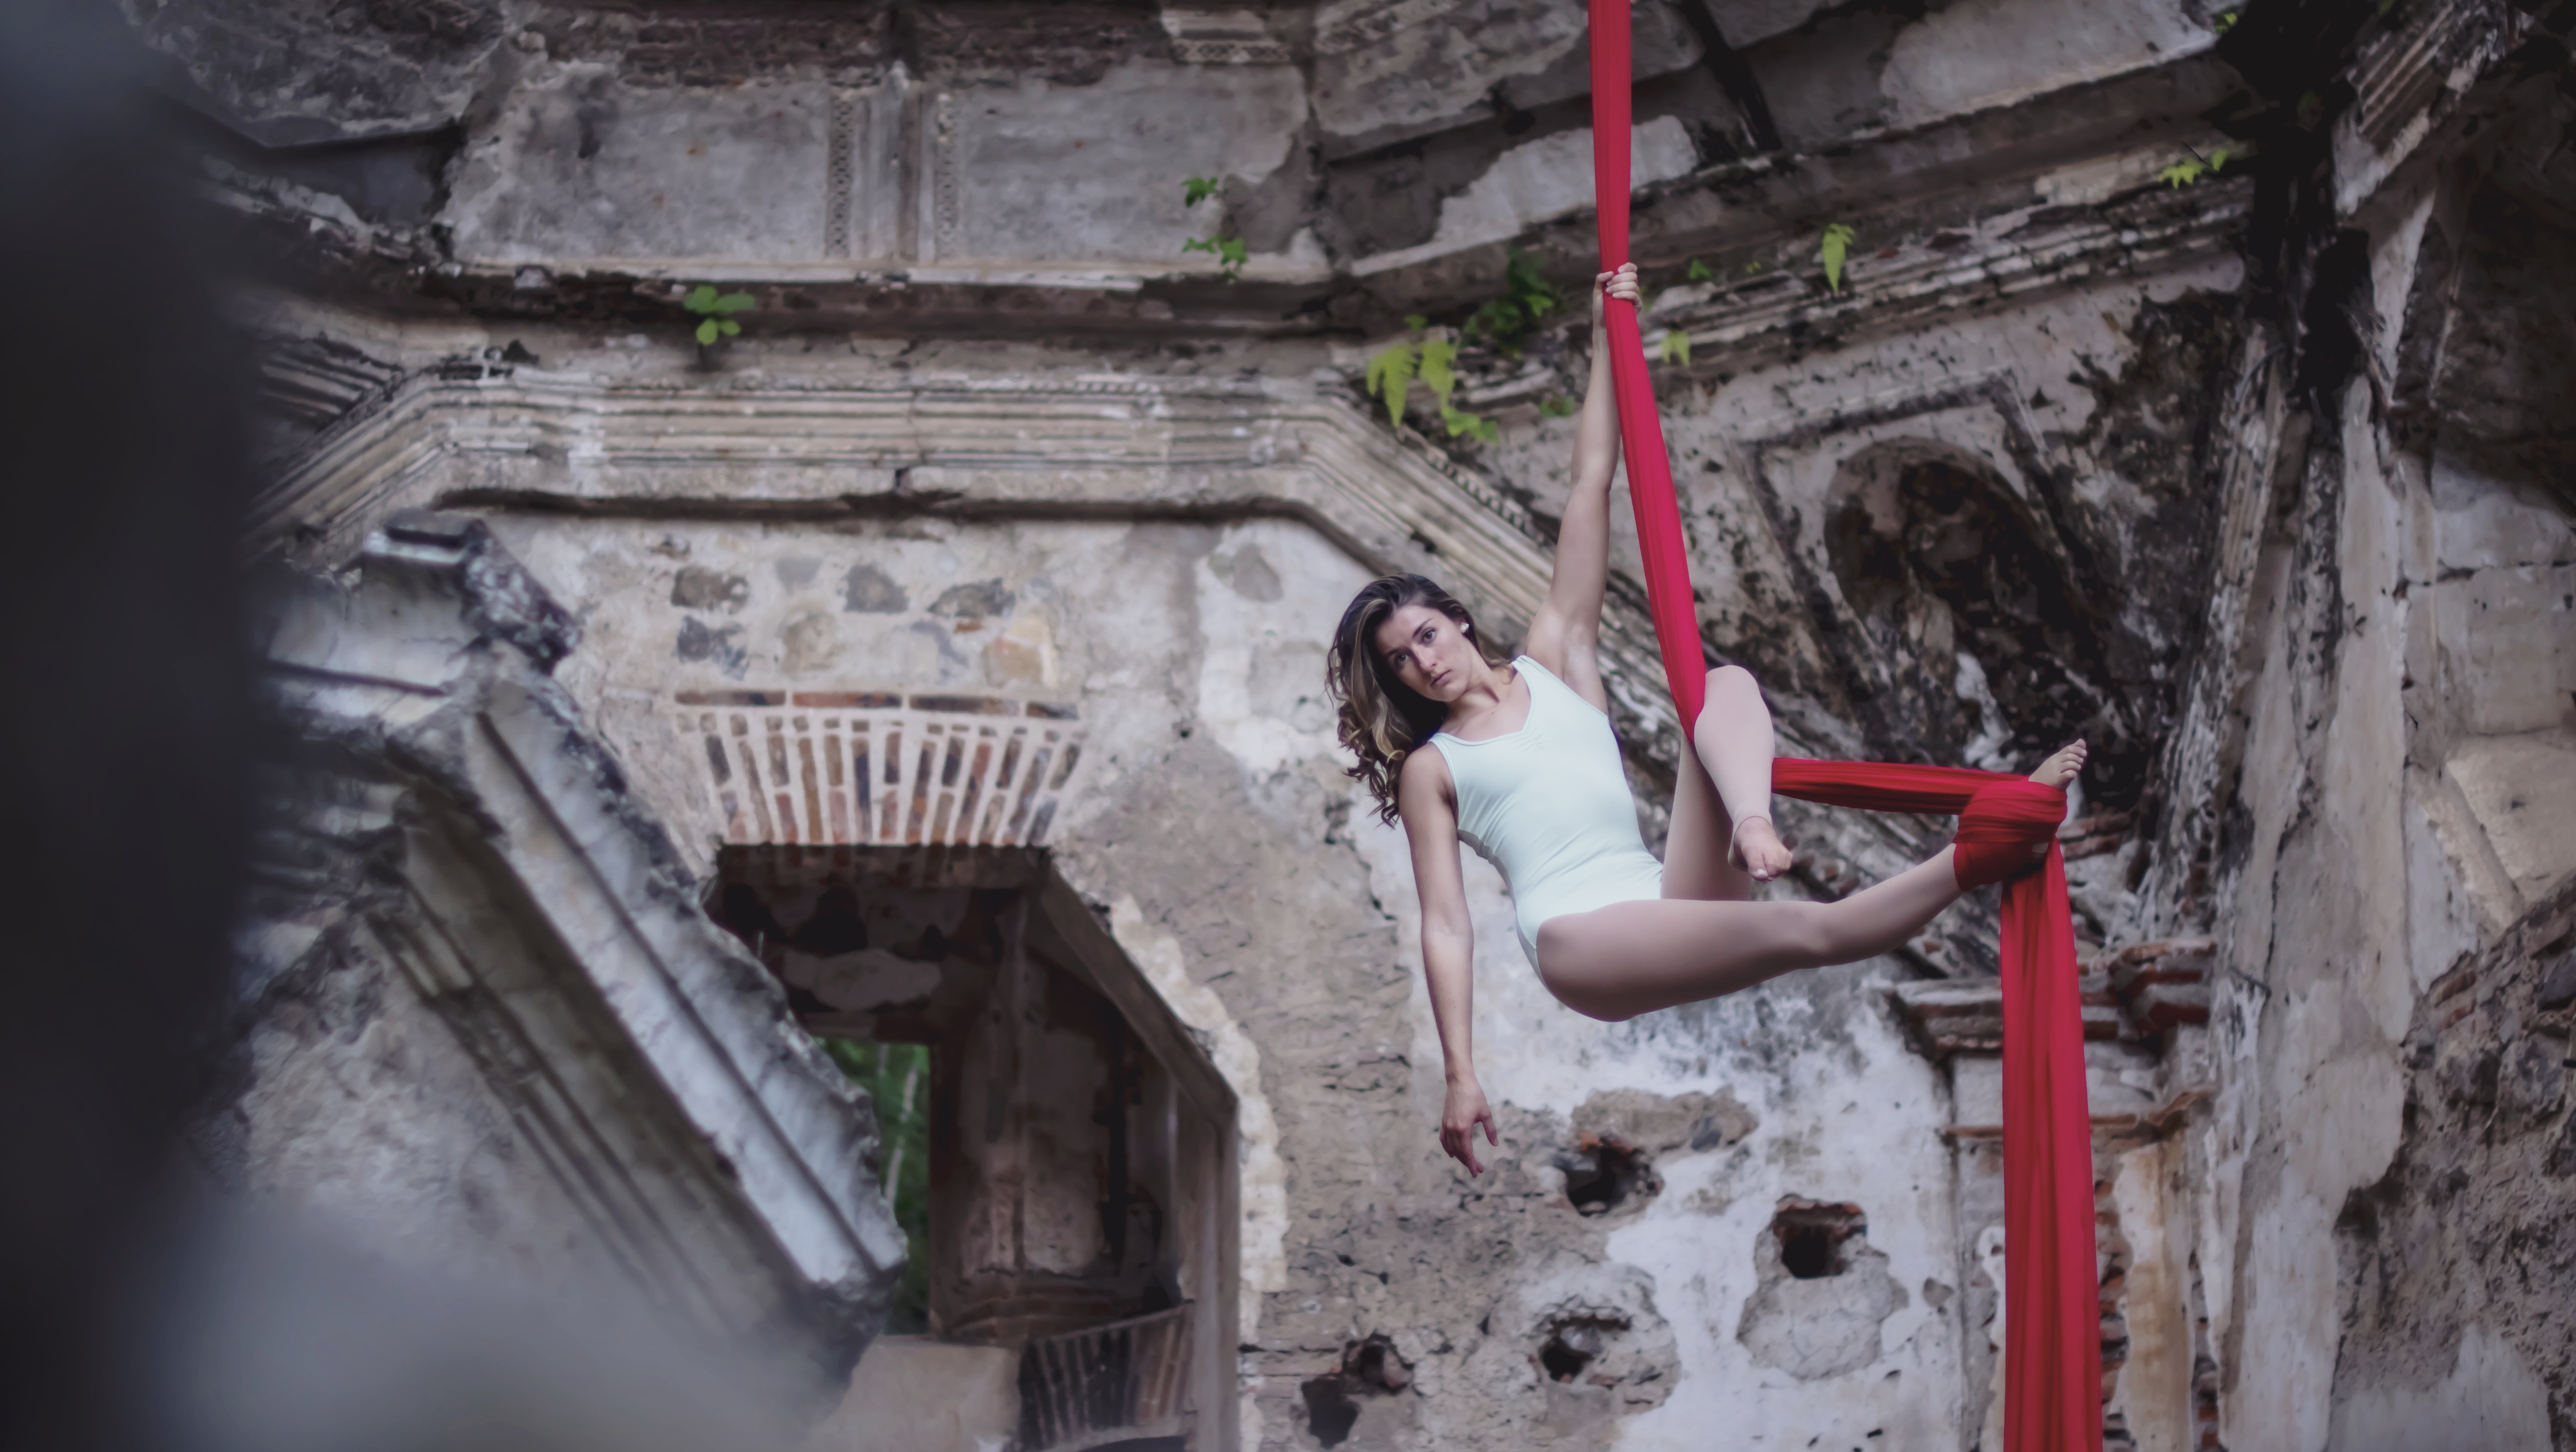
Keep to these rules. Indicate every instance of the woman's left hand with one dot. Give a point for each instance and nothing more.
(1463, 1110)
(1621, 284)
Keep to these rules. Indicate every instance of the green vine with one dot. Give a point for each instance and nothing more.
(1230, 252)
(897, 1080)
(1432, 357)
(713, 310)
(1698, 271)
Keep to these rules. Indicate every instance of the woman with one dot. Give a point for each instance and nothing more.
(1524, 767)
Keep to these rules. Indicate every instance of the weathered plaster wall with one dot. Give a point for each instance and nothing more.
(1216, 808)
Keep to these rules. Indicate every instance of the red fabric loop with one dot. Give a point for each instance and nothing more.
(2052, 1316)
(1999, 826)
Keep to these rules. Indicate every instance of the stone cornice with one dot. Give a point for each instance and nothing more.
(1911, 181)
(472, 436)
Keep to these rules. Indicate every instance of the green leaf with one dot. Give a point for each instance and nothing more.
(1198, 244)
(1474, 427)
(2226, 22)
(1438, 370)
(729, 326)
(732, 302)
(707, 333)
(1751, 268)
(1233, 252)
(1528, 296)
(1835, 246)
(1390, 377)
(1675, 348)
(1698, 271)
(701, 299)
(1556, 405)
(1198, 189)
(1416, 321)
(2182, 173)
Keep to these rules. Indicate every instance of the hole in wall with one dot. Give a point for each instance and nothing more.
(1573, 1344)
(1604, 1171)
(1330, 1409)
(1813, 1235)
(1371, 1367)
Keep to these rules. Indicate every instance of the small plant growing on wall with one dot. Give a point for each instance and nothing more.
(715, 312)
(1831, 250)
(1230, 252)
(2184, 173)
(1504, 323)
(1431, 355)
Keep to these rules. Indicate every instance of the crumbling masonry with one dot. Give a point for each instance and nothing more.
(948, 644)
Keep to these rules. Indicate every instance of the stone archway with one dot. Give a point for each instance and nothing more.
(1079, 1235)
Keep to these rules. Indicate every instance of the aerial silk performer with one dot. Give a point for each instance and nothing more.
(1516, 758)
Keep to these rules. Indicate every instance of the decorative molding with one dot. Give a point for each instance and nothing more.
(2048, 250)
(2400, 77)
(878, 768)
(944, 188)
(1350, 31)
(1223, 38)
(480, 437)
(840, 166)
(1230, 51)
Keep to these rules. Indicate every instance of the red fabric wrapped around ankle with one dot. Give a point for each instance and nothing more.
(1998, 827)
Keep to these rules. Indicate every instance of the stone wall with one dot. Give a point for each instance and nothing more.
(2251, 474)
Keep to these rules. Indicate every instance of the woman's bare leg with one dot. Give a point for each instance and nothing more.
(1695, 864)
(1733, 740)
(1636, 957)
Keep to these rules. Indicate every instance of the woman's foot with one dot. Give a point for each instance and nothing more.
(2062, 765)
(1757, 850)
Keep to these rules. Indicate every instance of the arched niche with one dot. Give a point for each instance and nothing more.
(1962, 616)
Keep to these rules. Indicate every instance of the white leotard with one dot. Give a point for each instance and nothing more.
(1549, 805)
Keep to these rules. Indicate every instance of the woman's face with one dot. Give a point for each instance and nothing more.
(1429, 653)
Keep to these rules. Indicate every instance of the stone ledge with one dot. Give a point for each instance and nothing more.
(2134, 993)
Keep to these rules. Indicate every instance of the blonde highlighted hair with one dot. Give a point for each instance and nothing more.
(1382, 721)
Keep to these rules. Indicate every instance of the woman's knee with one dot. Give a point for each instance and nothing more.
(1560, 969)
(1733, 678)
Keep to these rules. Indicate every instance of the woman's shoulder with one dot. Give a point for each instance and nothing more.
(1423, 768)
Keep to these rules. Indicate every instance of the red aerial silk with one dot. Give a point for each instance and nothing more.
(2053, 1318)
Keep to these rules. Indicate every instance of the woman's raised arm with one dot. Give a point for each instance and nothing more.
(1428, 805)
(1566, 634)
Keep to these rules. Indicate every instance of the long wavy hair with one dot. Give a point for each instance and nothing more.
(1382, 720)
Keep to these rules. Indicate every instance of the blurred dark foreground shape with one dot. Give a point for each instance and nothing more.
(143, 1309)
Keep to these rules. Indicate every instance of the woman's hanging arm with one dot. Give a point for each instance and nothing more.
(1424, 798)
(1566, 633)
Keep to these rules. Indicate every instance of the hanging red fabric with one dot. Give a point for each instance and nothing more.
(2052, 1297)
